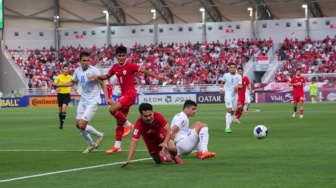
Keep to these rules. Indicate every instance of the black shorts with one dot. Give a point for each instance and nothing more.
(63, 99)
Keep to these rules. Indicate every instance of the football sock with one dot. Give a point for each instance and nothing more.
(173, 153)
(92, 130)
(203, 139)
(127, 123)
(117, 144)
(238, 113)
(228, 120)
(295, 109)
(301, 112)
(86, 136)
(120, 116)
(245, 107)
(60, 117)
(119, 132)
(63, 115)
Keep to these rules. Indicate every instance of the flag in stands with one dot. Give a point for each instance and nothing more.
(263, 60)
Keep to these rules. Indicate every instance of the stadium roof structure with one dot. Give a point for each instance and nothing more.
(84, 13)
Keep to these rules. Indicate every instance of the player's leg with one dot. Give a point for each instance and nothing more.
(127, 125)
(66, 100)
(301, 106)
(85, 135)
(118, 138)
(239, 110)
(200, 135)
(228, 116)
(173, 153)
(60, 104)
(295, 101)
(87, 115)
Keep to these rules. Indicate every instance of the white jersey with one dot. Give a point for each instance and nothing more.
(231, 81)
(90, 88)
(182, 121)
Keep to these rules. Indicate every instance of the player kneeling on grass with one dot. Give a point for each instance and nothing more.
(186, 138)
(156, 133)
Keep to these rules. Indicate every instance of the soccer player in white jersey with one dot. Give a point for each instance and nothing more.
(247, 99)
(230, 83)
(89, 101)
(186, 138)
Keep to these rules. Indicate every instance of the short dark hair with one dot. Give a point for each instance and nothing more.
(240, 69)
(145, 107)
(299, 69)
(232, 64)
(84, 54)
(121, 49)
(189, 103)
(65, 65)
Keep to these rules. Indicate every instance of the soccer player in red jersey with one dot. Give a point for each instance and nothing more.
(241, 94)
(298, 82)
(109, 87)
(156, 133)
(124, 70)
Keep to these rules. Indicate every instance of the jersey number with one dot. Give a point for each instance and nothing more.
(120, 80)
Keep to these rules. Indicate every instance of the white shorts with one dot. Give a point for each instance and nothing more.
(231, 103)
(186, 145)
(86, 111)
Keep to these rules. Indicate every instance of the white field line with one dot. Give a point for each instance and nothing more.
(70, 170)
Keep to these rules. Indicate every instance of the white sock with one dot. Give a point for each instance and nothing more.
(245, 107)
(92, 130)
(117, 144)
(203, 139)
(87, 137)
(228, 120)
(127, 123)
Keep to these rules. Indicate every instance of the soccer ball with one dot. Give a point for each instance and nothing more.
(260, 131)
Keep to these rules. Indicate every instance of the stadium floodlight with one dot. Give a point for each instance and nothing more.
(203, 24)
(155, 26)
(108, 29)
(304, 6)
(251, 11)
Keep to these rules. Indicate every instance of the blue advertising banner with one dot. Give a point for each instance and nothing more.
(13, 102)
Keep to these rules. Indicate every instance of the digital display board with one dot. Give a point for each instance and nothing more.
(1, 14)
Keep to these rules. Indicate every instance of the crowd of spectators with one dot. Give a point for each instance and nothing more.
(182, 63)
(309, 55)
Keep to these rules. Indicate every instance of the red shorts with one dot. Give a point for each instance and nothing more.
(126, 102)
(153, 145)
(298, 98)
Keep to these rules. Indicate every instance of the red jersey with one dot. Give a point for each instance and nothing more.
(242, 90)
(109, 88)
(298, 90)
(150, 132)
(125, 75)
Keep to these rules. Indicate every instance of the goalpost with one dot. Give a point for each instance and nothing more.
(326, 83)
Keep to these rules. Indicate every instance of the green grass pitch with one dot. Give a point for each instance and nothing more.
(296, 153)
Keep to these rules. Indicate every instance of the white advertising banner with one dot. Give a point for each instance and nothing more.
(166, 98)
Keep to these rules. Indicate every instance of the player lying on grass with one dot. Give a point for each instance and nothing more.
(156, 133)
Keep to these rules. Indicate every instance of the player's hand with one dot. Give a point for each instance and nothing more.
(163, 145)
(109, 101)
(54, 85)
(235, 88)
(93, 77)
(161, 77)
(124, 164)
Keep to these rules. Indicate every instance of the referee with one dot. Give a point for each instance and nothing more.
(63, 96)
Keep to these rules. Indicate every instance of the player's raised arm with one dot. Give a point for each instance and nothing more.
(150, 73)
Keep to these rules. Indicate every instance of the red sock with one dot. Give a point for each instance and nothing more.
(119, 131)
(301, 112)
(239, 113)
(120, 116)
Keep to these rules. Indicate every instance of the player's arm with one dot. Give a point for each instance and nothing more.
(249, 88)
(131, 151)
(150, 73)
(292, 84)
(174, 130)
(103, 86)
(221, 87)
(100, 77)
(164, 144)
(66, 84)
